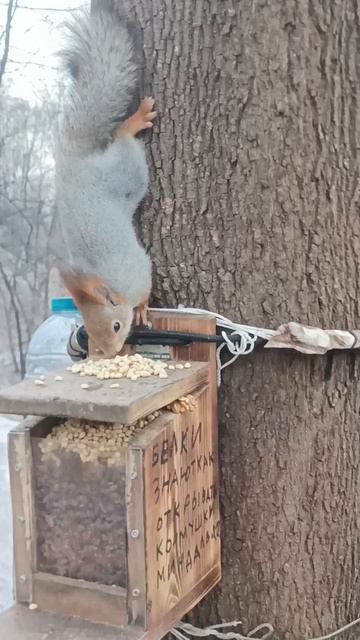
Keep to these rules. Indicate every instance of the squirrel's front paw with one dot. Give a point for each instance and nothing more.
(145, 114)
(140, 313)
(142, 119)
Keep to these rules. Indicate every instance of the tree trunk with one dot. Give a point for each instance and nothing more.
(253, 212)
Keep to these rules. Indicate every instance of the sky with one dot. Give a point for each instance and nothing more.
(35, 38)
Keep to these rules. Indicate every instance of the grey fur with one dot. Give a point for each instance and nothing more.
(99, 186)
(102, 61)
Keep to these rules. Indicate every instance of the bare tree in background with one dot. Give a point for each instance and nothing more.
(5, 36)
(27, 212)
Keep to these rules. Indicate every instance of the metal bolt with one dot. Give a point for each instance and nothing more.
(18, 467)
(20, 519)
(22, 578)
(133, 475)
(136, 592)
(134, 533)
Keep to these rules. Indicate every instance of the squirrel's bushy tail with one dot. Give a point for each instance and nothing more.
(101, 58)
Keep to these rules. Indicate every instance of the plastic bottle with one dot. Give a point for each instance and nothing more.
(47, 349)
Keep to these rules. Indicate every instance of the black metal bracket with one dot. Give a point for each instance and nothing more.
(178, 338)
(152, 337)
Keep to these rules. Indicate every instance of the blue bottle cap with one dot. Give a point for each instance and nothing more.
(59, 305)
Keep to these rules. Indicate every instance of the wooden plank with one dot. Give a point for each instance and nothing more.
(87, 600)
(130, 401)
(136, 538)
(181, 511)
(172, 617)
(145, 438)
(197, 351)
(21, 484)
(191, 323)
(18, 623)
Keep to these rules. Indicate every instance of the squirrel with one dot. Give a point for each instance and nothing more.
(101, 176)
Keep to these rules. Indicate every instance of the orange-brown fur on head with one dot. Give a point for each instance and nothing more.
(107, 316)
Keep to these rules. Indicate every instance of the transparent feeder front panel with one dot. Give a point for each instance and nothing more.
(80, 515)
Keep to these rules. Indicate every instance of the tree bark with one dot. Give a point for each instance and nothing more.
(253, 212)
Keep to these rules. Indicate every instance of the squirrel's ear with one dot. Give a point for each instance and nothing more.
(85, 287)
(102, 290)
(109, 296)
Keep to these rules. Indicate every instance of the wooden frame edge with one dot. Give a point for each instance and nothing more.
(197, 593)
(135, 525)
(80, 599)
(23, 518)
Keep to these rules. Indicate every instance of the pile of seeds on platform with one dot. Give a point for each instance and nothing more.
(131, 367)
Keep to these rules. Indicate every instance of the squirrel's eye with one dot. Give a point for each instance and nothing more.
(116, 327)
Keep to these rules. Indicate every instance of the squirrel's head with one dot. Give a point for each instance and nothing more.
(107, 316)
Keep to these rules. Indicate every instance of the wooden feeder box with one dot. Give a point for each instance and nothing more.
(136, 544)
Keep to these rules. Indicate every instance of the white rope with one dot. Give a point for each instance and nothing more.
(292, 335)
(184, 631)
(338, 631)
(242, 347)
(221, 321)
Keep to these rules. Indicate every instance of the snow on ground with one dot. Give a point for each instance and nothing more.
(6, 596)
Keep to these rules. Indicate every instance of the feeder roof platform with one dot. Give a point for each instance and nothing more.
(126, 404)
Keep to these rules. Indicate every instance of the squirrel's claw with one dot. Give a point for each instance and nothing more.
(146, 105)
(140, 313)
